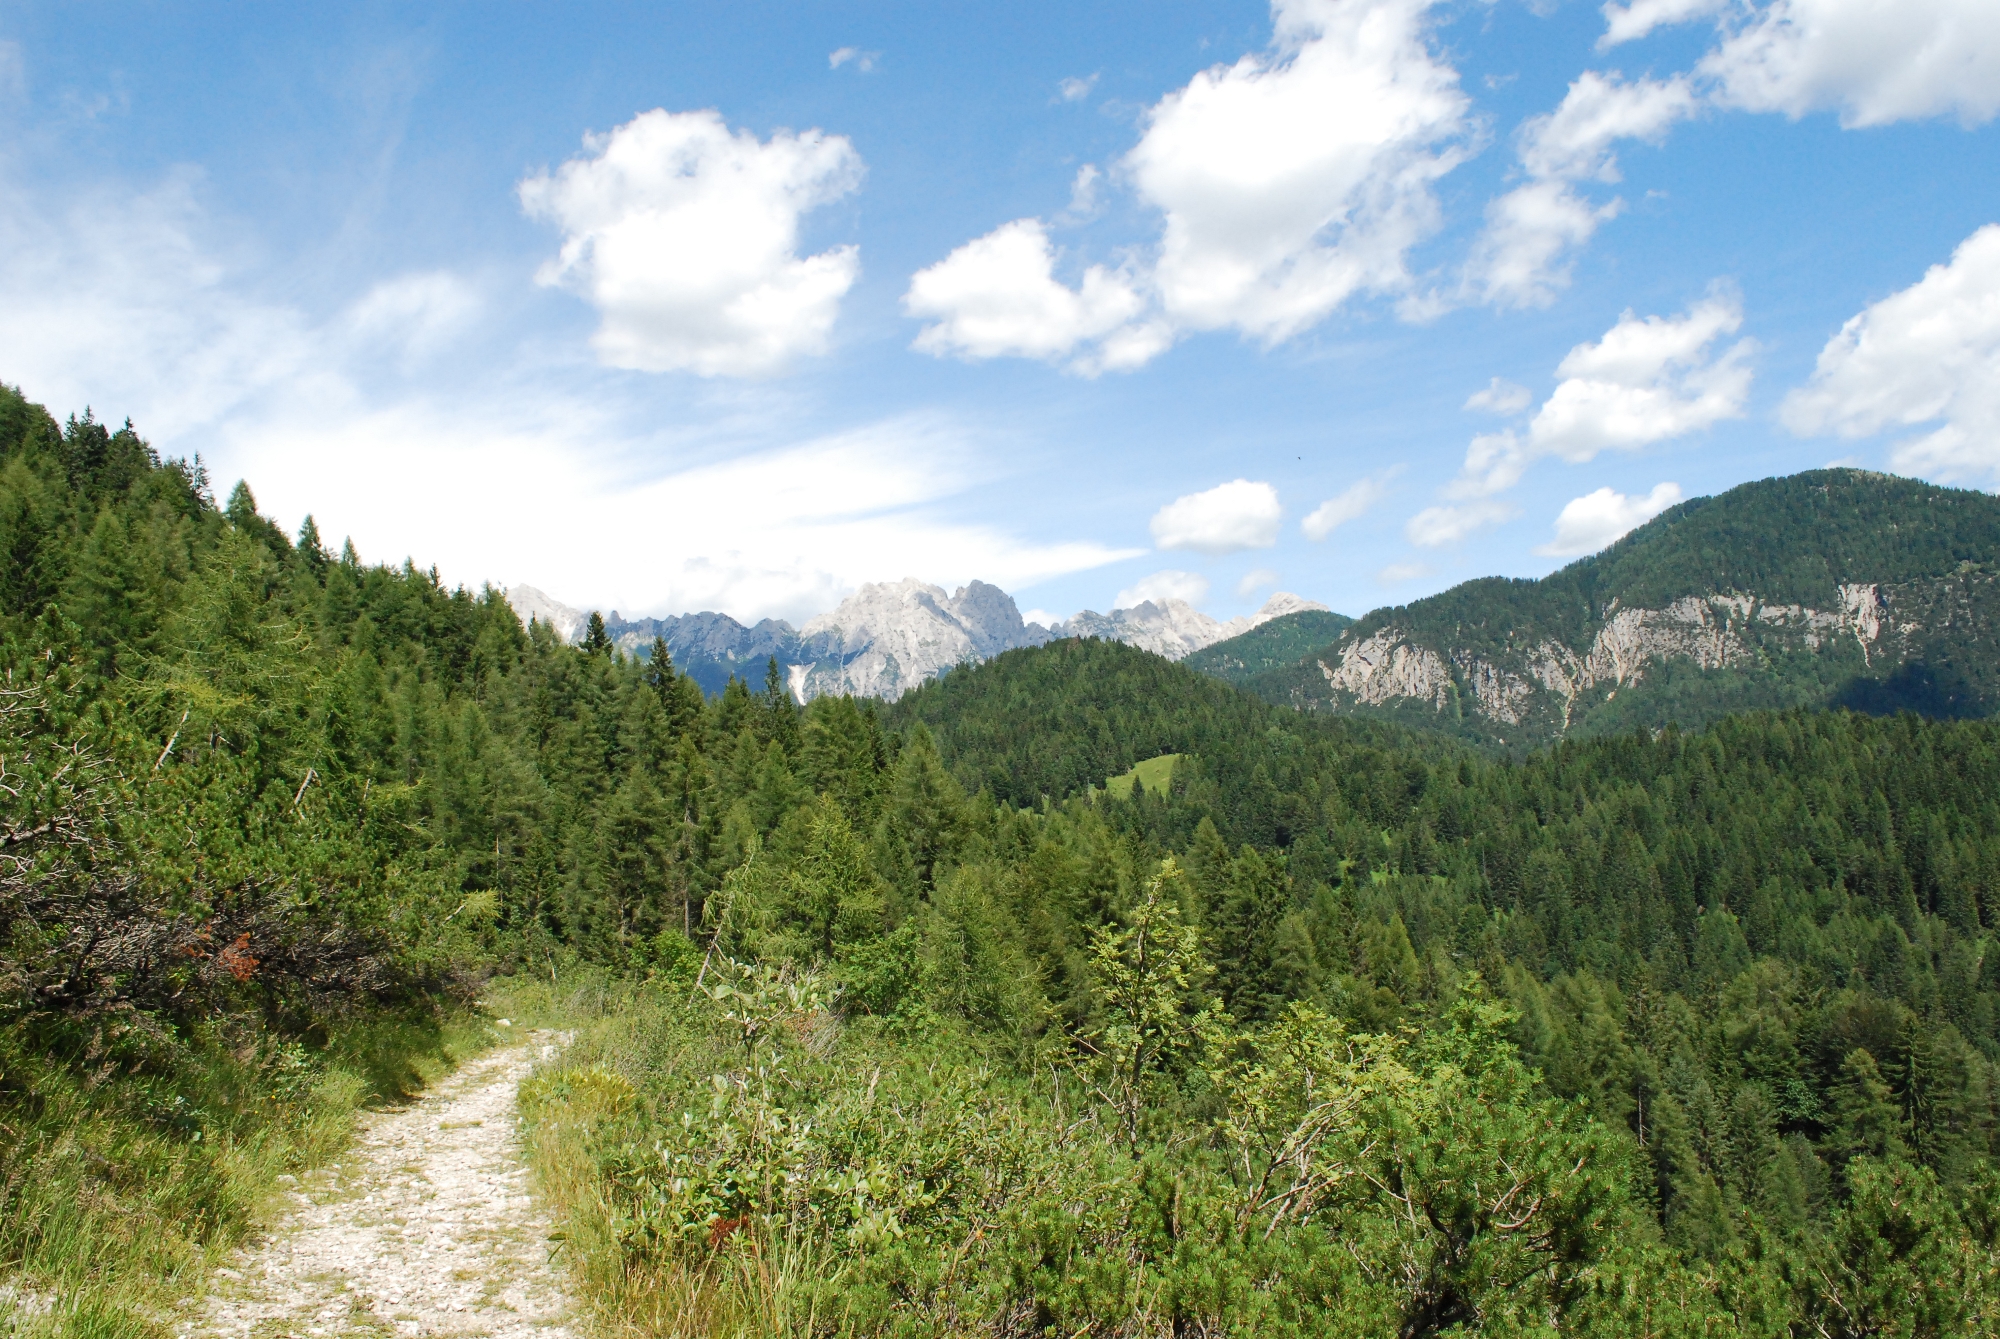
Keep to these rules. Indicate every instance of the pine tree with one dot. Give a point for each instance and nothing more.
(1866, 1122)
(311, 550)
(781, 713)
(596, 641)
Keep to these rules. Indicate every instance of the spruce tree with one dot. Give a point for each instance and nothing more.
(596, 641)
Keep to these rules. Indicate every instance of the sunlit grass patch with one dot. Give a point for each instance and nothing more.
(1155, 776)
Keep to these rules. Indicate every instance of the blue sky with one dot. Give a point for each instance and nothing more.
(735, 306)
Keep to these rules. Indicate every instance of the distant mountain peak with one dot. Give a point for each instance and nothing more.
(889, 636)
(531, 603)
(1176, 629)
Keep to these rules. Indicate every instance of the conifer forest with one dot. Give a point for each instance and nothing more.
(900, 1019)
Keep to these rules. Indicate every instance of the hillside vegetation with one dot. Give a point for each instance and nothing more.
(895, 1022)
(1834, 587)
(1280, 643)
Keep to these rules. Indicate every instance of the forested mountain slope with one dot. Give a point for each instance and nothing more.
(1049, 723)
(1355, 1030)
(1835, 586)
(1278, 644)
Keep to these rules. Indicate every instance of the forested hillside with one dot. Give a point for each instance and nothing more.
(1274, 645)
(893, 1021)
(1833, 587)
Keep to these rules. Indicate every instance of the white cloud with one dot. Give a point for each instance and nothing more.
(1648, 380)
(684, 236)
(1288, 183)
(998, 295)
(1347, 505)
(417, 314)
(1041, 616)
(499, 463)
(782, 532)
(1294, 180)
(1076, 90)
(1083, 201)
(1254, 581)
(1224, 519)
(1400, 572)
(116, 298)
(1520, 258)
(1594, 520)
(1929, 354)
(1161, 586)
(863, 61)
(1500, 397)
(1574, 141)
(1629, 22)
(1434, 527)
(1874, 61)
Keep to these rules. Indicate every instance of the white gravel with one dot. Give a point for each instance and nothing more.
(425, 1228)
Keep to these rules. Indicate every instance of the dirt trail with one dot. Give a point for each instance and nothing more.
(425, 1228)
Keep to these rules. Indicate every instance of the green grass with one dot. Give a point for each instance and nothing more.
(126, 1178)
(1155, 775)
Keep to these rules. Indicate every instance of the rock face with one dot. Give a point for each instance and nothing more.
(530, 603)
(1544, 683)
(1174, 628)
(1834, 587)
(712, 648)
(886, 639)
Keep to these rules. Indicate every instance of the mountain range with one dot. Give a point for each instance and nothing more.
(1833, 587)
(888, 637)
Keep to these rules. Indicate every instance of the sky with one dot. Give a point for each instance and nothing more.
(735, 306)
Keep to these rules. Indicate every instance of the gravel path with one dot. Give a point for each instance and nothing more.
(426, 1228)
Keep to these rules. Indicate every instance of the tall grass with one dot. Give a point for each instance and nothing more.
(761, 1285)
(125, 1178)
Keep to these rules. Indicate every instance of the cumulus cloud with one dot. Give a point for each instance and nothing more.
(1293, 180)
(1434, 527)
(684, 236)
(1288, 183)
(1501, 397)
(1873, 62)
(1225, 519)
(1521, 258)
(998, 295)
(1629, 22)
(1350, 503)
(1161, 586)
(502, 464)
(1929, 354)
(1594, 520)
(1648, 380)
(1395, 573)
